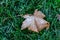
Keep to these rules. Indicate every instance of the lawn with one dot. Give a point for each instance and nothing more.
(10, 23)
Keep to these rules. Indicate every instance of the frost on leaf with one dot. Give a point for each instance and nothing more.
(35, 22)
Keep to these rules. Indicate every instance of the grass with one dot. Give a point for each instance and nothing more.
(10, 29)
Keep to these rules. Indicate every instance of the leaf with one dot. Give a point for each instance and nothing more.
(26, 16)
(27, 23)
(39, 14)
(41, 23)
(35, 22)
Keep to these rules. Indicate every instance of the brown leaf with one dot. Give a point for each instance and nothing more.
(35, 22)
(27, 15)
(26, 23)
(33, 26)
(41, 24)
(39, 14)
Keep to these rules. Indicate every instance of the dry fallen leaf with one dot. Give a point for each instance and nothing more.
(35, 22)
(41, 23)
(39, 14)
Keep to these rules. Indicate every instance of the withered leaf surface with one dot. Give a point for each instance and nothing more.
(35, 22)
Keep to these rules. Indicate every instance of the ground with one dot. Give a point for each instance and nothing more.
(10, 23)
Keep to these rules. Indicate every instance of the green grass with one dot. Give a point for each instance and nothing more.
(10, 29)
